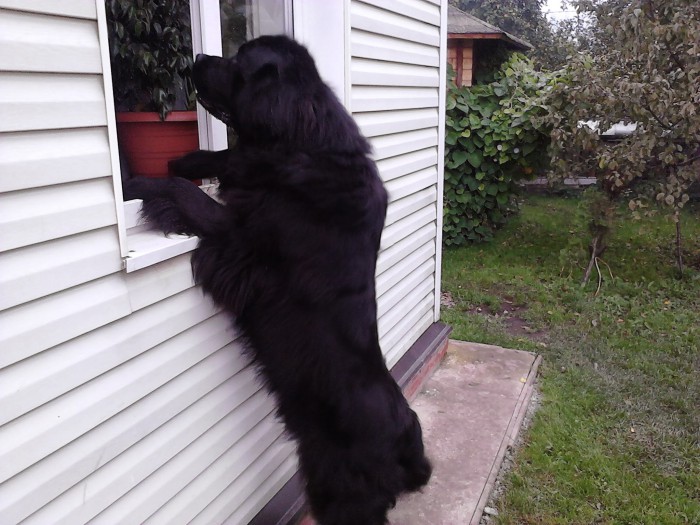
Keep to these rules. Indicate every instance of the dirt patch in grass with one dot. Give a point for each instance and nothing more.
(512, 317)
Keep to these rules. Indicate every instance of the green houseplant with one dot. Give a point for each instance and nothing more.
(151, 57)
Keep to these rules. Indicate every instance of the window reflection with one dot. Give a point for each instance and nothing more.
(243, 20)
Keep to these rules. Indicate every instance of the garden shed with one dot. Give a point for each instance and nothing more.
(124, 397)
(470, 40)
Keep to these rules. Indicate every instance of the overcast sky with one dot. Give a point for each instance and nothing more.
(556, 11)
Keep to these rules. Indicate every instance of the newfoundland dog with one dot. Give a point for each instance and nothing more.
(290, 251)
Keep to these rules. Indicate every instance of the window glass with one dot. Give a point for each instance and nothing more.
(243, 20)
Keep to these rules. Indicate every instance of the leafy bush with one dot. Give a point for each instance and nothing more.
(494, 138)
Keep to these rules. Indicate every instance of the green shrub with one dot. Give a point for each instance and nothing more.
(494, 138)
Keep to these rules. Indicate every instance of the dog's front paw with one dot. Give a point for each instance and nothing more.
(163, 215)
(136, 188)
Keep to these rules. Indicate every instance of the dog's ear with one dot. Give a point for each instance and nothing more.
(266, 74)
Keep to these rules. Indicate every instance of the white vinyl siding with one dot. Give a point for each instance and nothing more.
(124, 397)
(396, 77)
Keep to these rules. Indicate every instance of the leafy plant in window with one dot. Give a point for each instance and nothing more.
(495, 137)
(151, 55)
(151, 58)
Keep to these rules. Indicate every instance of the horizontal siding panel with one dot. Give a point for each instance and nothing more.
(213, 379)
(408, 330)
(398, 166)
(386, 280)
(231, 436)
(417, 9)
(425, 273)
(381, 98)
(401, 208)
(395, 71)
(45, 376)
(28, 439)
(218, 475)
(404, 227)
(375, 20)
(158, 282)
(413, 183)
(402, 249)
(400, 143)
(276, 466)
(394, 304)
(34, 101)
(41, 214)
(254, 501)
(388, 49)
(387, 122)
(42, 158)
(203, 430)
(42, 269)
(56, 44)
(33, 327)
(375, 73)
(74, 8)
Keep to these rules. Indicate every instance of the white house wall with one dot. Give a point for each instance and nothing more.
(124, 398)
(396, 78)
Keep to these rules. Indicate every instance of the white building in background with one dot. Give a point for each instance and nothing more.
(123, 394)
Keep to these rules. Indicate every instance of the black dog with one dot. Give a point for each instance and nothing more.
(291, 254)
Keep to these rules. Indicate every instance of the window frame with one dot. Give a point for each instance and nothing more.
(309, 22)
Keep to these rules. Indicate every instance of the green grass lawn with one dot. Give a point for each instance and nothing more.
(617, 437)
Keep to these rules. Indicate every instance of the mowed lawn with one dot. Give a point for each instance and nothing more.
(616, 439)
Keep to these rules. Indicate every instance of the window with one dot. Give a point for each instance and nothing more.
(215, 28)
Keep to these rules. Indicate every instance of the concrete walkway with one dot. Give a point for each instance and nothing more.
(471, 409)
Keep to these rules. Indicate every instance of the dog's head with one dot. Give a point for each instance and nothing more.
(249, 89)
(271, 92)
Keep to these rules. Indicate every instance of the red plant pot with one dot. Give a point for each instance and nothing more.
(149, 143)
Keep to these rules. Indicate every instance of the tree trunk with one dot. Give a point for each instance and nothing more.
(594, 254)
(679, 245)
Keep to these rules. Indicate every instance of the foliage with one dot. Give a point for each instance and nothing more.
(151, 54)
(491, 143)
(643, 67)
(616, 437)
(524, 19)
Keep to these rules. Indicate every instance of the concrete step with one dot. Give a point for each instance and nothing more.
(471, 410)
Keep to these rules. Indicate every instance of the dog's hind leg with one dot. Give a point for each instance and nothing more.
(176, 205)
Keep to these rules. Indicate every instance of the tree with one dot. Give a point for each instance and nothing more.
(642, 67)
(524, 19)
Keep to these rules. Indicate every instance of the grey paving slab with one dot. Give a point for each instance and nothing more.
(470, 409)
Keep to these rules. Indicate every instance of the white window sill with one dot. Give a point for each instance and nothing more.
(147, 247)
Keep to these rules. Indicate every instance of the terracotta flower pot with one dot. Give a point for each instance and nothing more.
(149, 143)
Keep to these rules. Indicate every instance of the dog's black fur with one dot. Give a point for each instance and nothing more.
(291, 253)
